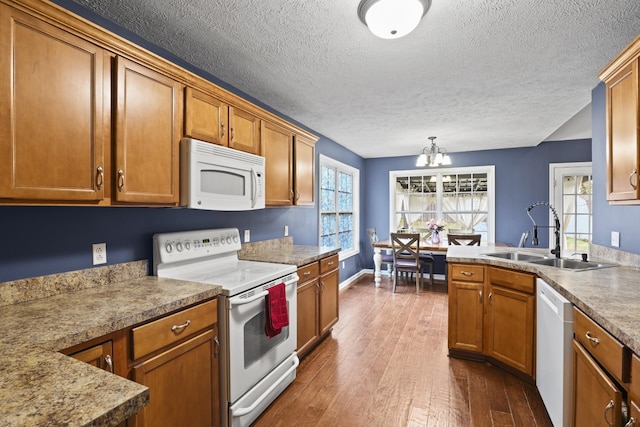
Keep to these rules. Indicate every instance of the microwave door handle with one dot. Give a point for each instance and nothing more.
(254, 188)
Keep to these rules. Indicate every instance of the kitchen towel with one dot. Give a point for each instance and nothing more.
(277, 316)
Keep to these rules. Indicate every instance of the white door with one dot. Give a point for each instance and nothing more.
(570, 193)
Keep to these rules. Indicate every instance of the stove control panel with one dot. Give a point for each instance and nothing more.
(190, 245)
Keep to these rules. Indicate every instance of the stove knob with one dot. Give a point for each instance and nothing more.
(229, 240)
(168, 248)
(235, 239)
(187, 245)
(179, 246)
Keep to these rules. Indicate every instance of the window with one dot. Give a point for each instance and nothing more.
(460, 199)
(572, 195)
(339, 206)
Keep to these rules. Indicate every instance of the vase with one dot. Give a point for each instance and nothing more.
(435, 236)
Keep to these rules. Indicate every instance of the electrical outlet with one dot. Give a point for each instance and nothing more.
(99, 253)
(247, 236)
(615, 239)
(286, 230)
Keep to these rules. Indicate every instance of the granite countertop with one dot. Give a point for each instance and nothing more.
(40, 386)
(610, 296)
(297, 255)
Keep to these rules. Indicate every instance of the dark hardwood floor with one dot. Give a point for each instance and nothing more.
(386, 364)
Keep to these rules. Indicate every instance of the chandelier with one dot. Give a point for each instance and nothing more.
(392, 19)
(433, 156)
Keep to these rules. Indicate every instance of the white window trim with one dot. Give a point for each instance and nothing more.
(328, 161)
(555, 196)
(490, 170)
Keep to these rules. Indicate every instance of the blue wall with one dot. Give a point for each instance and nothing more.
(608, 218)
(521, 174)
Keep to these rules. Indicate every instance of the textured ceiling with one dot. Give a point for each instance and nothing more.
(478, 74)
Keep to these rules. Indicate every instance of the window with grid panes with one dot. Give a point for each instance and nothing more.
(459, 199)
(339, 206)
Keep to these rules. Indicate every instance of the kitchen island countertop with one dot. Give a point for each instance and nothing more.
(40, 386)
(283, 251)
(610, 296)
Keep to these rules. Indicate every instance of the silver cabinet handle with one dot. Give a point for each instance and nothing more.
(120, 180)
(222, 126)
(489, 297)
(318, 288)
(306, 273)
(631, 422)
(330, 263)
(594, 340)
(233, 134)
(467, 273)
(480, 296)
(216, 350)
(606, 409)
(176, 328)
(109, 362)
(633, 172)
(100, 178)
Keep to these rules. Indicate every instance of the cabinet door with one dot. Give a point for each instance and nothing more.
(244, 131)
(623, 134)
(277, 148)
(51, 112)
(465, 315)
(596, 400)
(329, 283)
(148, 122)
(308, 294)
(509, 326)
(304, 169)
(183, 384)
(206, 117)
(100, 356)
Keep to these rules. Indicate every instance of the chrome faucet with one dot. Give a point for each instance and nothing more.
(556, 227)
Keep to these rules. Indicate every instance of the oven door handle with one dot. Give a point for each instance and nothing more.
(258, 295)
(244, 411)
(248, 300)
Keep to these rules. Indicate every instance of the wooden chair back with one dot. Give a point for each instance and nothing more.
(459, 239)
(406, 247)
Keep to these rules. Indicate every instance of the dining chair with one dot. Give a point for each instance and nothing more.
(464, 239)
(373, 238)
(406, 257)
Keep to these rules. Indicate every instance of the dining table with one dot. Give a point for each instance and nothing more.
(426, 246)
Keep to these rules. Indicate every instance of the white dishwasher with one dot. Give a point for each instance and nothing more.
(554, 325)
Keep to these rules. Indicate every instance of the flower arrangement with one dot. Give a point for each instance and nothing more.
(434, 226)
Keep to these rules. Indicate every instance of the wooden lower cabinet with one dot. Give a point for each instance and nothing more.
(183, 384)
(100, 356)
(492, 316)
(317, 302)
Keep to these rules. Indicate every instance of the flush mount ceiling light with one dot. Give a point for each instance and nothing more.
(433, 156)
(392, 19)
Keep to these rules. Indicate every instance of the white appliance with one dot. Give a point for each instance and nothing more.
(254, 369)
(554, 325)
(213, 177)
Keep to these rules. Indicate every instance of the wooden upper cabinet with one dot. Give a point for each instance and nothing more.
(304, 169)
(244, 130)
(206, 117)
(623, 125)
(277, 148)
(148, 117)
(52, 130)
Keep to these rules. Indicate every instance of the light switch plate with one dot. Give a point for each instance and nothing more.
(247, 236)
(615, 239)
(286, 230)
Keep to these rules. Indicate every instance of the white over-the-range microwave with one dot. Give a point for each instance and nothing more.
(213, 177)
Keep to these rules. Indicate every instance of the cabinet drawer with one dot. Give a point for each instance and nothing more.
(607, 350)
(467, 273)
(167, 330)
(308, 272)
(328, 264)
(512, 279)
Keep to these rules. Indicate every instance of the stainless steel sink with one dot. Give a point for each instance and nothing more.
(517, 256)
(571, 264)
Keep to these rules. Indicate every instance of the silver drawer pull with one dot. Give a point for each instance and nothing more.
(594, 340)
(633, 173)
(109, 362)
(606, 409)
(175, 328)
(631, 423)
(306, 273)
(467, 273)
